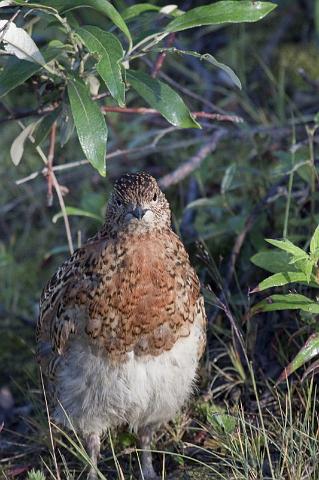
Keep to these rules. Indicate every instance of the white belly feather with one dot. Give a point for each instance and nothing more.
(97, 394)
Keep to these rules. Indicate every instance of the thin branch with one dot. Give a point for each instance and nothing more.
(30, 113)
(50, 163)
(151, 111)
(63, 210)
(161, 56)
(145, 150)
(130, 110)
(194, 162)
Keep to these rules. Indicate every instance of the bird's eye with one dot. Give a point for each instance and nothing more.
(118, 202)
(155, 197)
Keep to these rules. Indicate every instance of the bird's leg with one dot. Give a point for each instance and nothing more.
(145, 438)
(93, 447)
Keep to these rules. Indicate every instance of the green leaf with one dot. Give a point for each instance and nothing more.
(135, 10)
(273, 261)
(102, 6)
(206, 57)
(110, 53)
(77, 212)
(44, 127)
(15, 71)
(89, 123)
(289, 247)
(221, 12)
(308, 351)
(228, 178)
(222, 422)
(280, 279)
(162, 98)
(314, 244)
(291, 301)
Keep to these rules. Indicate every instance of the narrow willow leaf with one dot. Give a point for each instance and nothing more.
(273, 261)
(162, 98)
(66, 124)
(314, 243)
(280, 279)
(308, 351)
(19, 43)
(109, 52)
(228, 178)
(208, 58)
(289, 247)
(137, 9)
(102, 6)
(221, 12)
(89, 123)
(15, 71)
(77, 212)
(291, 301)
(17, 147)
(43, 129)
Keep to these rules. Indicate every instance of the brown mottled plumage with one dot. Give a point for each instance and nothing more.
(122, 322)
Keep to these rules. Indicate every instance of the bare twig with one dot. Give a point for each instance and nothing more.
(194, 162)
(151, 111)
(130, 110)
(50, 163)
(161, 56)
(63, 210)
(30, 113)
(145, 150)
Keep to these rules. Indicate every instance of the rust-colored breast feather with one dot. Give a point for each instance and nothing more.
(136, 293)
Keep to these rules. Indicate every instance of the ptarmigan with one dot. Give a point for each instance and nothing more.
(122, 323)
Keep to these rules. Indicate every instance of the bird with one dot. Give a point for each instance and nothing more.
(122, 324)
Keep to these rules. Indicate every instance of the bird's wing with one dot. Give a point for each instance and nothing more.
(64, 299)
(130, 295)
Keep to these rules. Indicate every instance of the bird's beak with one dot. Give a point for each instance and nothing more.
(139, 212)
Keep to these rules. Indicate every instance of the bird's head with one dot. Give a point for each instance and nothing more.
(138, 200)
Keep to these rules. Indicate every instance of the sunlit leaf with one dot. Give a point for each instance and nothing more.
(291, 301)
(77, 212)
(289, 247)
(102, 6)
(17, 147)
(280, 279)
(162, 98)
(221, 12)
(19, 43)
(109, 52)
(89, 123)
(308, 351)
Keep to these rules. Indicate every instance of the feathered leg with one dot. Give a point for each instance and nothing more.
(93, 444)
(145, 439)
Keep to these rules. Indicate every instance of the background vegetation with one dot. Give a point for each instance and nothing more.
(249, 174)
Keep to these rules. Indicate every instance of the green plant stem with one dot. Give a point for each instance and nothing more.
(290, 182)
(311, 133)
